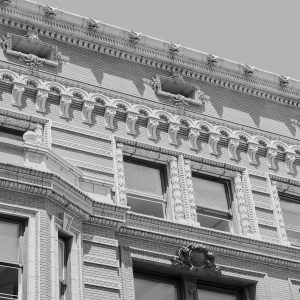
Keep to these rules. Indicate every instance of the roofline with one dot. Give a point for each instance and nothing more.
(153, 48)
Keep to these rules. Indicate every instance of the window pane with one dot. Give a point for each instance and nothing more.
(9, 241)
(61, 259)
(210, 194)
(291, 213)
(154, 290)
(294, 237)
(145, 207)
(214, 223)
(8, 282)
(210, 295)
(143, 178)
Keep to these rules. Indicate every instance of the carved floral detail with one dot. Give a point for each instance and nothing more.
(193, 138)
(252, 149)
(134, 37)
(176, 190)
(174, 48)
(248, 70)
(283, 80)
(213, 143)
(131, 119)
(32, 61)
(87, 110)
(173, 131)
(278, 215)
(120, 175)
(212, 59)
(152, 128)
(17, 92)
(34, 137)
(241, 202)
(109, 116)
(196, 257)
(93, 24)
(232, 148)
(41, 97)
(271, 154)
(64, 105)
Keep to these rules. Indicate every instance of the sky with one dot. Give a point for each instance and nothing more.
(261, 33)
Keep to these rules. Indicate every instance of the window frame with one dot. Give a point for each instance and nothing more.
(293, 199)
(214, 213)
(220, 289)
(163, 179)
(20, 264)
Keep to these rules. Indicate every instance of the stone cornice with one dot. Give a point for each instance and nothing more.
(114, 41)
(241, 248)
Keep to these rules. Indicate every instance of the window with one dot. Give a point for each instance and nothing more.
(11, 240)
(214, 294)
(146, 187)
(154, 289)
(212, 197)
(290, 206)
(63, 257)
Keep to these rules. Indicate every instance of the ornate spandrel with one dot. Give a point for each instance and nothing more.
(196, 257)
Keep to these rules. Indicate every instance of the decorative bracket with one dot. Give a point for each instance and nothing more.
(152, 127)
(131, 119)
(289, 161)
(252, 149)
(232, 148)
(109, 115)
(17, 92)
(67, 221)
(64, 105)
(41, 97)
(173, 131)
(213, 143)
(196, 257)
(271, 154)
(87, 110)
(193, 138)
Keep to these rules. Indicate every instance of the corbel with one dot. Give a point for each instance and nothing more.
(17, 92)
(289, 161)
(193, 138)
(67, 221)
(173, 131)
(64, 105)
(34, 137)
(232, 148)
(213, 143)
(40, 100)
(152, 128)
(110, 112)
(271, 154)
(131, 118)
(87, 110)
(252, 149)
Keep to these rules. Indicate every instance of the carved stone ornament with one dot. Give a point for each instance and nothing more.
(289, 161)
(248, 70)
(5, 2)
(152, 128)
(174, 48)
(252, 149)
(232, 148)
(93, 24)
(196, 257)
(134, 37)
(212, 59)
(87, 110)
(64, 105)
(213, 143)
(34, 137)
(41, 97)
(109, 116)
(271, 154)
(131, 118)
(17, 92)
(283, 80)
(173, 131)
(50, 11)
(193, 138)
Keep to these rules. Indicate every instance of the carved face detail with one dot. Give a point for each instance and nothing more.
(197, 257)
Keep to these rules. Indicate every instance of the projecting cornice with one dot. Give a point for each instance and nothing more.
(155, 53)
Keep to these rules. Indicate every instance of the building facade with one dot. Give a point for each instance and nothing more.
(134, 168)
